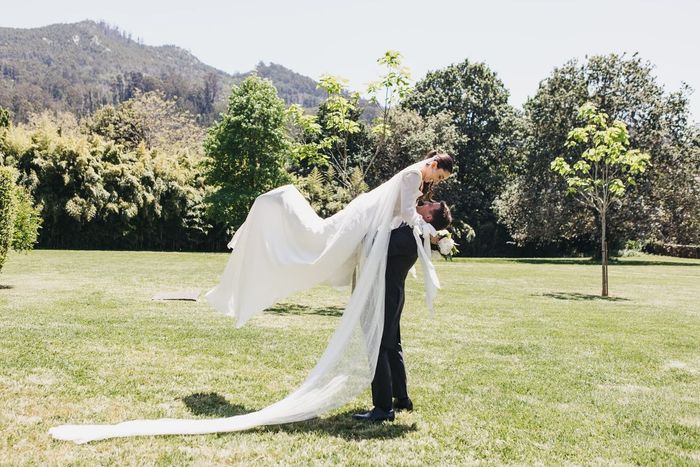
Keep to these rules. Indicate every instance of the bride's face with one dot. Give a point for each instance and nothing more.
(432, 174)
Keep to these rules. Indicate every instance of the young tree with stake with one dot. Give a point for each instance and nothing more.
(605, 169)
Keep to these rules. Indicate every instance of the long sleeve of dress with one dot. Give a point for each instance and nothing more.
(410, 191)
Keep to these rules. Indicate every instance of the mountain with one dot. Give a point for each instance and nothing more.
(293, 87)
(82, 66)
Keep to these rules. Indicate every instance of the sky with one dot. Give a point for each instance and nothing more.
(522, 41)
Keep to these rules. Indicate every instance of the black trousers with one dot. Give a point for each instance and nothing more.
(390, 377)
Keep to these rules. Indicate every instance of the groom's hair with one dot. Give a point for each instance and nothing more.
(442, 217)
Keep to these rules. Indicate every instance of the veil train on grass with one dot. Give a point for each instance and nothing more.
(283, 247)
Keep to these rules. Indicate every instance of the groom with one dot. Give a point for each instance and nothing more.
(390, 376)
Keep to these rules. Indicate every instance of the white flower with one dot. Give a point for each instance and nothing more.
(446, 245)
(442, 233)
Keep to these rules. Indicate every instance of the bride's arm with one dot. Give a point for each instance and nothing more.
(410, 191)
(410, 187)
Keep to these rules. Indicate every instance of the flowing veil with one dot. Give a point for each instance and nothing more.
(283, 247)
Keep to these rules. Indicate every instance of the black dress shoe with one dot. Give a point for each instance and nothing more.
(403, 404)
(375, 415)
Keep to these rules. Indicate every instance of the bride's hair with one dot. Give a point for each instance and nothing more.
(444, 162)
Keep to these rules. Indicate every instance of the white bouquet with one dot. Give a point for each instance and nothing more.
(446, 246)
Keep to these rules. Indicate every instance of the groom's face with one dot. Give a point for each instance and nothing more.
(426, 210)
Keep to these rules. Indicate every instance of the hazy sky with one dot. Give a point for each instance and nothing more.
(521, 40)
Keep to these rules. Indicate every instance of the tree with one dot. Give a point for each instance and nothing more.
(27, 218)
(305, 152)
(246, 151)
(4, 125)
(7, 210)
(488, 151)
(341, 131)
(27, 221)
(393, 87)
(322, 191)
(666, 199)
(408, 139)
(149, 119)
(605, 169)
(96, 193)
(344, 142)
(4, 119)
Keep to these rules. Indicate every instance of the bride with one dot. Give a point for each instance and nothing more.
(284, 247)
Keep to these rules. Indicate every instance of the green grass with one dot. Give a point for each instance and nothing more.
(522, 363)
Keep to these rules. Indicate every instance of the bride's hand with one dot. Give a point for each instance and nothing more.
(428, 229)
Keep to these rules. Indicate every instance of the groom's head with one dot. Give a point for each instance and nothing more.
(436, 213)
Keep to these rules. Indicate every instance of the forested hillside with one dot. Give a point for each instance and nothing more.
(81, 67)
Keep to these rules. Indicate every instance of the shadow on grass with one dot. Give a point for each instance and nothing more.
(340, 425)
(590, 262)
(343, 426)
(212, 404)
(295, 309)
(581, 296)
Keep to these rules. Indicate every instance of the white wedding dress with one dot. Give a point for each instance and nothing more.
(284, 247)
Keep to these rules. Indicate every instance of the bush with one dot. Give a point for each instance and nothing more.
(7, 210)
(632, 248)
(670, 249)
(27, 221)
(95, 193)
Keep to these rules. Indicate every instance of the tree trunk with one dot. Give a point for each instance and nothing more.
(604, 254)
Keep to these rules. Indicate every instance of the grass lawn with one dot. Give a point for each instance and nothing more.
(522, 363)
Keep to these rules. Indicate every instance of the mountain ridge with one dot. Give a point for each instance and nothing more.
(81, 66)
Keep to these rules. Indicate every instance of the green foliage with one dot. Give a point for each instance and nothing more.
(128, 174)
(632, 248)
(4, 118)
(27, 221)
(606, 166)
(4, 125)
(8, 206)
(148, 119)
(488, 148)
(343, 139)
(393, 87)
(325, 195)
(247, 150)
(666, 201)
(304, 131)
(356, 153)
(339, 109)
(409, 139)
(597, 177)
(97, 193)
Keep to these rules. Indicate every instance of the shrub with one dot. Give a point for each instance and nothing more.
(669, 249)
(7, 210)
(27, 221)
